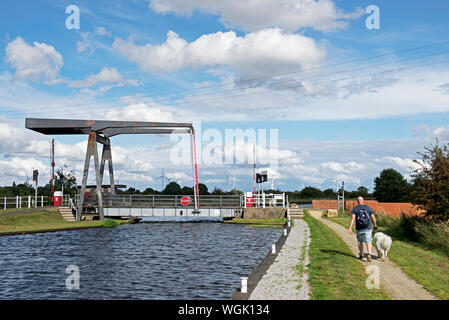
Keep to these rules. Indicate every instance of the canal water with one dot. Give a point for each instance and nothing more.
(141, 261)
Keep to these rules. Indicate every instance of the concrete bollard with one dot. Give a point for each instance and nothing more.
(285, 232)
(288, 224)
(244, 282)
(273, 248)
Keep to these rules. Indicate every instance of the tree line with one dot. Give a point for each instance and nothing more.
(428, 189)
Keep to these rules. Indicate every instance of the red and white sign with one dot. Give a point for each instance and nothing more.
(185, 200)
(249, 199)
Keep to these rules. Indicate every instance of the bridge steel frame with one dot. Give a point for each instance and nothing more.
(100, 131)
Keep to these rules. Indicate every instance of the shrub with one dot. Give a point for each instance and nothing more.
(110, 223)
(402, 227)
(434, 235)
(431, 181)
(382, 219)
(407, 226)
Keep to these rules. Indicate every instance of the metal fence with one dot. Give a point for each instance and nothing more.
(174, 201)
(28, 202)
(164, 201)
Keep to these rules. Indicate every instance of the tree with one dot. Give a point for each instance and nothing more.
(431, 182)
(172, 189)
(149, 191)
(187, 190)
(390, 186)
(362, 192)
(311, 193)
(236, 192)
(329, 194)
(217, 191)
(202, 188)
(66, 177)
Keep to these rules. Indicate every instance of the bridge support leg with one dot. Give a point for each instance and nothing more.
(107, 156)
(91, 151)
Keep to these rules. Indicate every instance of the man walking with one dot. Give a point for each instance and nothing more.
(362, 215)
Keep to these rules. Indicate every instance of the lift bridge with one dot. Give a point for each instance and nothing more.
(137, 205)
(100, 131)
(104, 201)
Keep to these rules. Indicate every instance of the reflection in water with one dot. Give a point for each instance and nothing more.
(143, 261)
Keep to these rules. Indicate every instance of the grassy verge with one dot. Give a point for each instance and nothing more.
(2, 211)
(334, 272)
(41, 220)
(429, 268)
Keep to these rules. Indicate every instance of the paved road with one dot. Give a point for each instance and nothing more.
(282, 281)
(397, 284)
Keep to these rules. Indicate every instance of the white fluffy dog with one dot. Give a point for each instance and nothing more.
(383, 244)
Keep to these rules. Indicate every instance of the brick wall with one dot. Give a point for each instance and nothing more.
(392, 209)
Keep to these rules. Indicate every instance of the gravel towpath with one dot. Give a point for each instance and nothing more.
(283, 281)
(397, 284)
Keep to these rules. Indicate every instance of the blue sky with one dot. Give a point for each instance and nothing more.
(346, 101)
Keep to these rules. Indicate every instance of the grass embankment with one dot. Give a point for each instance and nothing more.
(42, 220)
(428, 267)
(334, 272)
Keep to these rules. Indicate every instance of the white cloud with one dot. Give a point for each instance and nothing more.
(254, 15)
(38, 61)
(178, 176)
(335, 102)
(17, 169)
(402, 163)
(85, 45)
(106, 75)
(442, 133)
(102, 31)
(140, 112)
(265, 51)
(334, 166)
(443, 88)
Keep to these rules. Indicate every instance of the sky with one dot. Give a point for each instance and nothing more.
(325, 91)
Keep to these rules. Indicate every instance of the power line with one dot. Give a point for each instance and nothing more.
(139, 98)
(313, 83)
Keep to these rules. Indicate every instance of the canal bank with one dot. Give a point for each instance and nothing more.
(41, 221)
(277, 276)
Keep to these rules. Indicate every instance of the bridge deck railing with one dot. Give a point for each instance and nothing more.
(165, 201)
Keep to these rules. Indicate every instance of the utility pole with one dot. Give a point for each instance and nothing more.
(52, 169)
(343, 200)
(338, 202)
(35, 175)
(254, 175)
(227, 180)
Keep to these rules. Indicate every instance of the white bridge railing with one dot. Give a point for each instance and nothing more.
(264, 200)
(163, 201)
(28, 202)
(261, 200)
